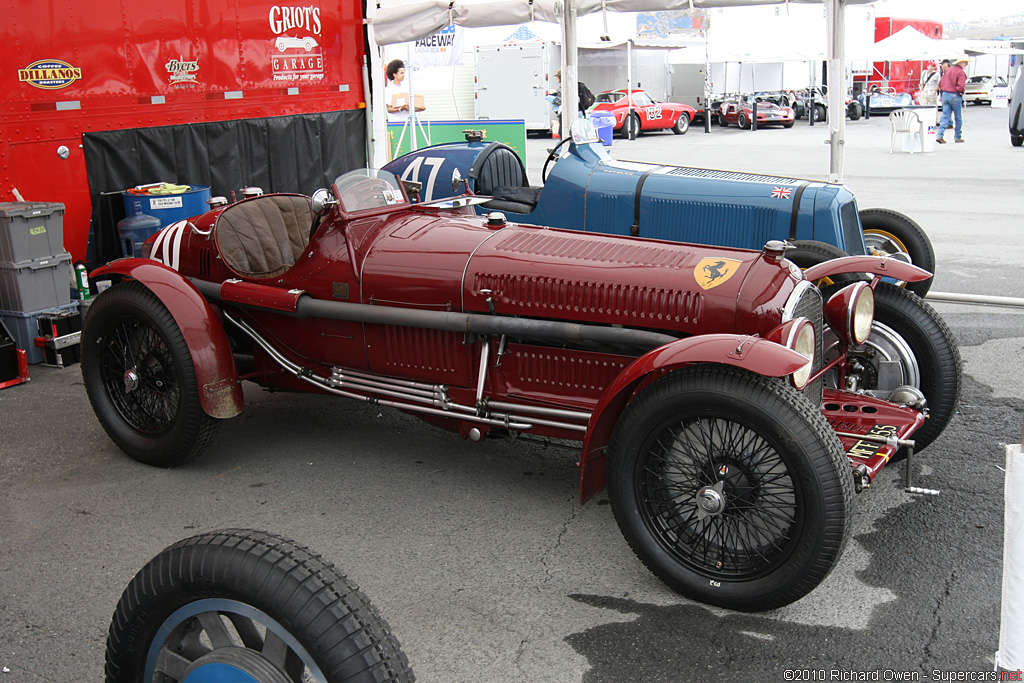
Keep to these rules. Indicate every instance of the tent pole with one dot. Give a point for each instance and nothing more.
(629, 87)
(379, 116)
(836, 18)
(570, 91)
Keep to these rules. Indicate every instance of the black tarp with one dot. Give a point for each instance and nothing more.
(298, 153)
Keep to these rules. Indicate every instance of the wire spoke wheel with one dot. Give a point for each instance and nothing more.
(140, 376)
(719, 497)
(730, 487)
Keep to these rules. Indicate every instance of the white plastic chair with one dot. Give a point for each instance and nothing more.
(905, 122)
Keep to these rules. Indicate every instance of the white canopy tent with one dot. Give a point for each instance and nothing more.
(396, 21)
(909, 44)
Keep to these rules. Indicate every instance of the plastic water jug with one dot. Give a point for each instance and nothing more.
(136, 229)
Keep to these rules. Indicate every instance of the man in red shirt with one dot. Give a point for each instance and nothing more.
(951, 87)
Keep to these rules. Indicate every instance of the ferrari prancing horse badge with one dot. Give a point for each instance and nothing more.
(711, 272)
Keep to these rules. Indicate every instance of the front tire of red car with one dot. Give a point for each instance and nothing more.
(730, 487)
(682, 124)
(140, 379)
(743, 122)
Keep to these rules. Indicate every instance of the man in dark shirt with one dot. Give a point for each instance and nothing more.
(951, 87)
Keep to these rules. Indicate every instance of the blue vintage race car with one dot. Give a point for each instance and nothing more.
(588, 190)
(910, 354)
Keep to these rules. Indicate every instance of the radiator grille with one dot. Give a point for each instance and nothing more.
(561, 298)
(808, 304)
(585, 248)
(732, 175)
(853, 234)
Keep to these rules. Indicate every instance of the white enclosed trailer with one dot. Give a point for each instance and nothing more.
(511, 82)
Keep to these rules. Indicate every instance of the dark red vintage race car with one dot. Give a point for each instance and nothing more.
(640, 113)
(697, 378)
(740, 112)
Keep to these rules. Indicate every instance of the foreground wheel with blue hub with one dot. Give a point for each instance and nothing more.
(241, 606)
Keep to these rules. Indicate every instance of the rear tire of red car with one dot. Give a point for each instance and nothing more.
(682, 124)
(246, 605)
(891, 232)
(909, 331)
(139, 377)
(742, 121)
(730, 487)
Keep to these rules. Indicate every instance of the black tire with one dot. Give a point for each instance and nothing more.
(854, 111)
(223, 589)
(633, 130)
(909, 330)
(891, 232)
(1017, 140)
(807, 253)
(720, 117)
(820, 113)
(788, 125)
(130, 338)
(783, 536)
(742, 121)
(682, 124)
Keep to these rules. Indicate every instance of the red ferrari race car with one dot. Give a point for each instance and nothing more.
(716, 394)
(638, 113)
(740, 111)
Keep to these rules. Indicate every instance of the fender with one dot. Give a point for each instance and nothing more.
(755, 354)
(220, 392)
(890, 267)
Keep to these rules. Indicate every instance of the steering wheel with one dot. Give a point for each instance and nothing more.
(552, 155)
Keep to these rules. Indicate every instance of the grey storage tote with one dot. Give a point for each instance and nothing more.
(31, 230)
(36, 284)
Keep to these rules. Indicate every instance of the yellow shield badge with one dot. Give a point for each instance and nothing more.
(711, 272)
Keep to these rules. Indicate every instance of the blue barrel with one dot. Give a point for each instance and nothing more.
(170, 208)
(604, 124)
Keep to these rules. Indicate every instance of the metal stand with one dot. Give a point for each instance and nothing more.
(910, 488)
(415, 121)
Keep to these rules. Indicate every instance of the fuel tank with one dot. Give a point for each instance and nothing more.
(464, 264)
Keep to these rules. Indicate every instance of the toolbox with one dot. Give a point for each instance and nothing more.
(35, 284)
(24, 328)
(31, 230)
(60, 338)
(13, 361)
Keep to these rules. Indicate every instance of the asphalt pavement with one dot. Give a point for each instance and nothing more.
(479, 554)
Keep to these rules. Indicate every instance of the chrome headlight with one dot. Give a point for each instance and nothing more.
(850, 313)
(798, 335)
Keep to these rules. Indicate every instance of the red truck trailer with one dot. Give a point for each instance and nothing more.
(903, 76)
(101, 95)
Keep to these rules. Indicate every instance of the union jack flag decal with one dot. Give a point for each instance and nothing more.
(782, 192)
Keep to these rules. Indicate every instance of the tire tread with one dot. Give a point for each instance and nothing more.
(774, 396)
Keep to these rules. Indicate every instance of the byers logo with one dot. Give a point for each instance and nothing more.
(49, 74)
(181, 72)
(711, 272)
